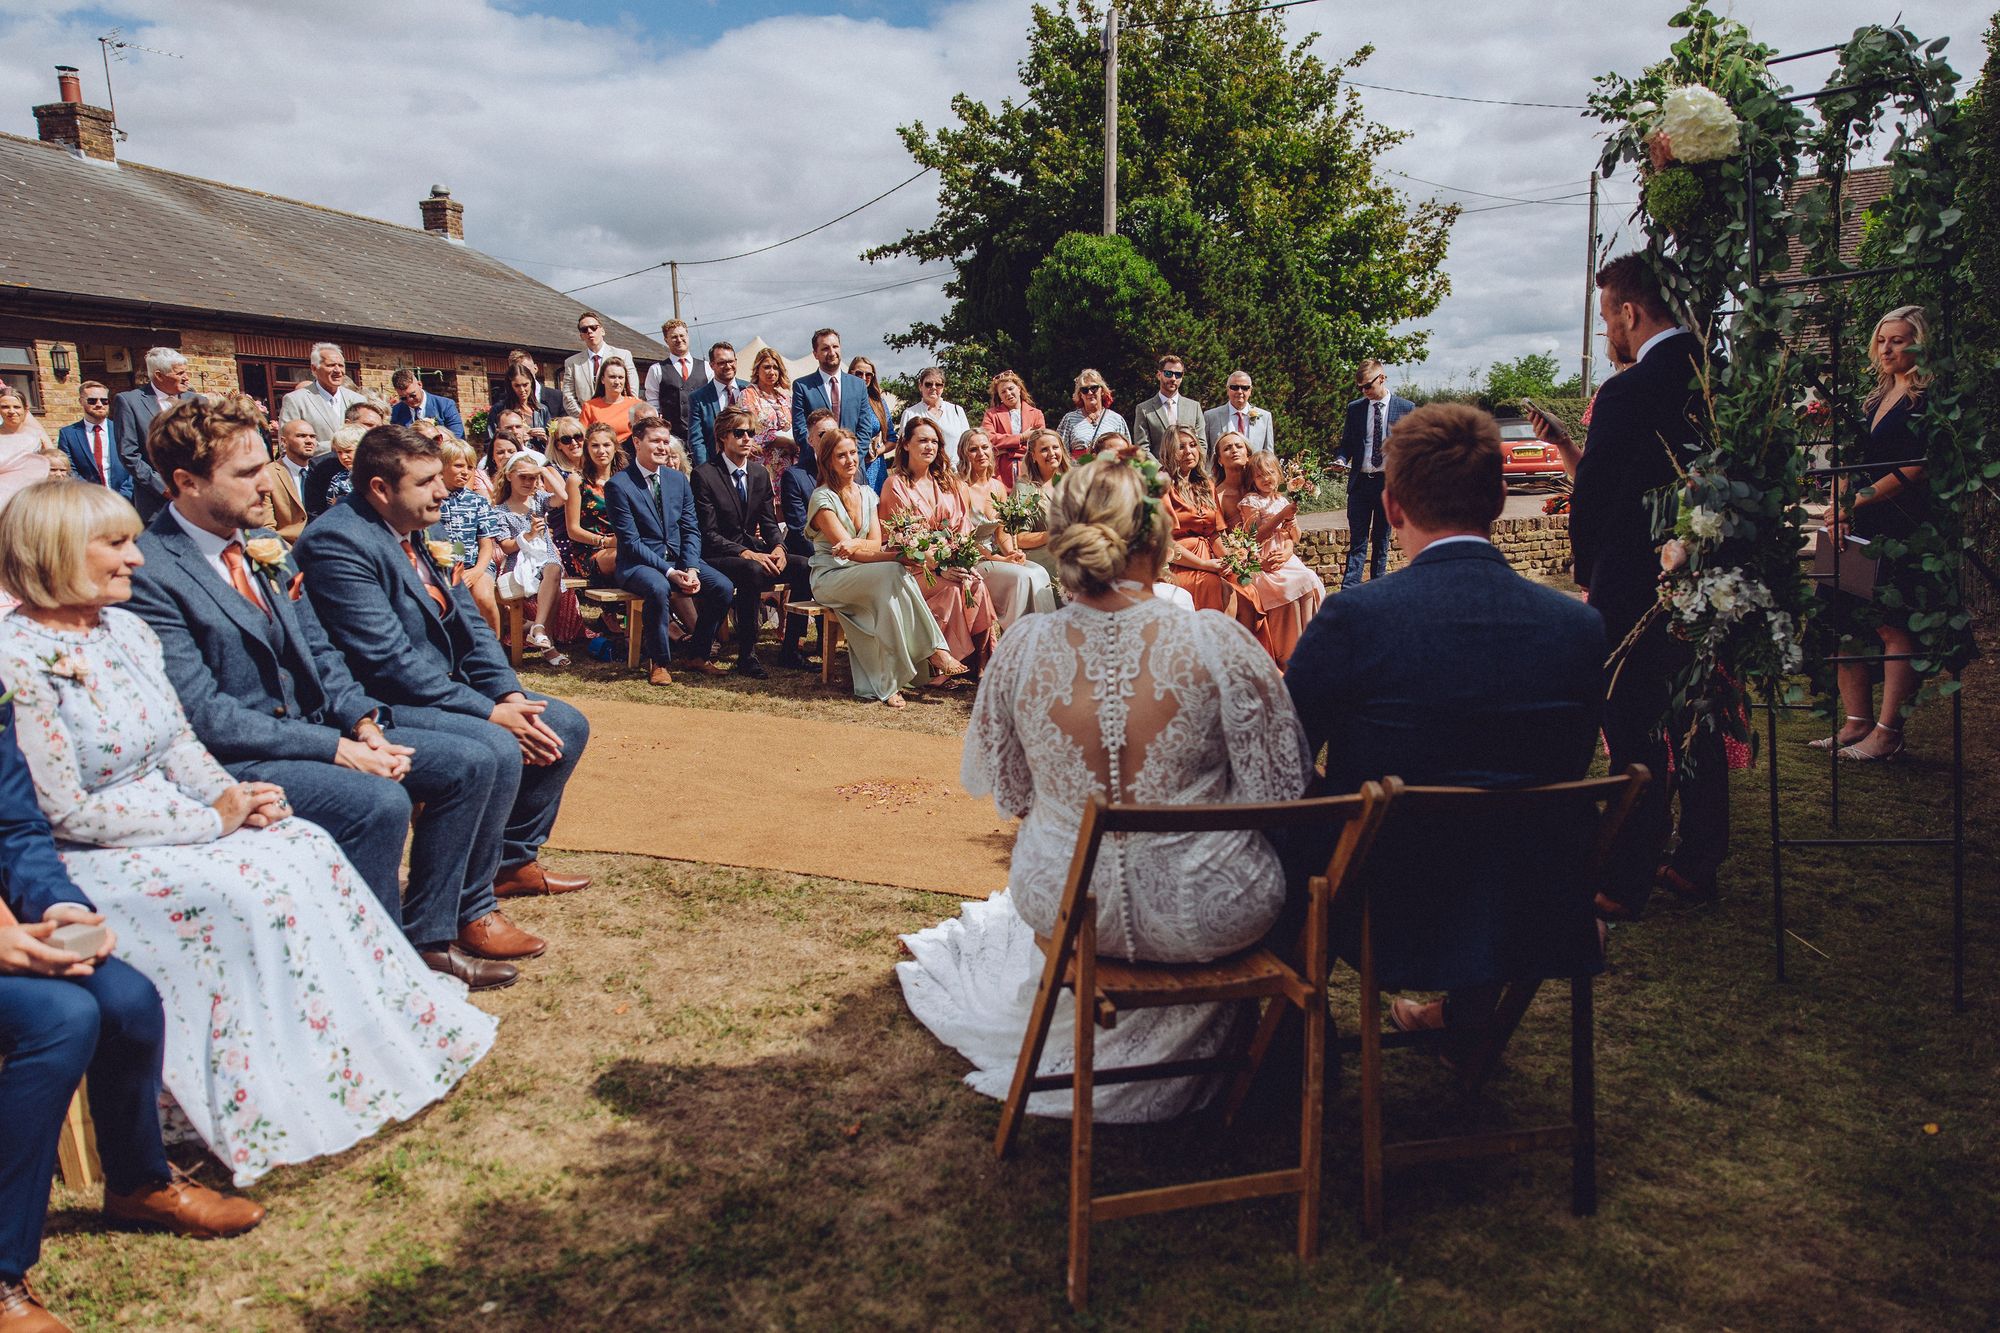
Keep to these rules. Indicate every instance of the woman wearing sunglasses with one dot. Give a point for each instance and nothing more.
(1093, 416)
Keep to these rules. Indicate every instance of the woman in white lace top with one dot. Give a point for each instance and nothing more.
(1125, 695)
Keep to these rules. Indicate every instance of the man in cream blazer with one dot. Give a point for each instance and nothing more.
(578, 380)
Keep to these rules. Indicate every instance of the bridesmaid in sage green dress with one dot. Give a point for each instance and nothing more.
(891, 634)
(1046, 459)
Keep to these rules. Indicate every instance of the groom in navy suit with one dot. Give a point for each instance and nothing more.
(652, 513)
(832, 388)
(399, 612)
(1364, 439)
(1455, 671)
(270, 697)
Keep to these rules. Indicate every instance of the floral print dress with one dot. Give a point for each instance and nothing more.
(299, 1020)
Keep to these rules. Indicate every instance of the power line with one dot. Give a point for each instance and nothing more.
(1459, 189)
(762, 249)
(1209, 18)
(1453, 97)
(807, 305)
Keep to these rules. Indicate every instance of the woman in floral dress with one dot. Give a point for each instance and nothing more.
(299, 1021)
(769, 397)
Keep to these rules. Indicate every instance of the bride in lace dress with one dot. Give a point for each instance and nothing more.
(1122, 694)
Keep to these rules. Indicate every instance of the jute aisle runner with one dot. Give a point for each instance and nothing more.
(777, 793)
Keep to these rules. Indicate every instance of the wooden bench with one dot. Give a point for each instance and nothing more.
(634, 606)
(829, 633)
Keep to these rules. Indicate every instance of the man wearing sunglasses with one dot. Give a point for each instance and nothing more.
(578, 380)
(90, 444)
(1363, 438)
(1156, 420)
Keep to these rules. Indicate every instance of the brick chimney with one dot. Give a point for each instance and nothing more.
(87, 130)
(443, 214)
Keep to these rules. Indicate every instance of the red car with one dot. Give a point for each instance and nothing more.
(1528, 457)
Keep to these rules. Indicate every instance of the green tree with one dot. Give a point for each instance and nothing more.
(1096, 301)
(1247, 183)
(1530, 376)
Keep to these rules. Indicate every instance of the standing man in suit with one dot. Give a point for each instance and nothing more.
(132, 414)
(1157, 419)
(92, 443)
(401, 616)
(1364, 442)
(324, 399)
(1422, 676)
(739, 537)
(269, 696)
(366, 414)
(652, 513)
(412, 402)
(830, 387)
(671, 383)
(1252, 423)
(721, 391)
(578, 380)
(285, 477)
(1644, 420)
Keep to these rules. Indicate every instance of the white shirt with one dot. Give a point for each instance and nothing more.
(331, 395)
(298, 471)
(1656, 340)
(211, 547)
(1014, 421)
(110, 445)
(1461, 537)
(167, 400)
(949, 418)
(1173, 406)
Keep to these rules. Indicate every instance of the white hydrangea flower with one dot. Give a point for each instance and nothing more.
(1705, 523)
(1699, 124)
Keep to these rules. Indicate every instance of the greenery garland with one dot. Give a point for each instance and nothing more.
(1715, 142)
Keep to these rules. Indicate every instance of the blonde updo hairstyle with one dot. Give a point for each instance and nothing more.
(1100, 518)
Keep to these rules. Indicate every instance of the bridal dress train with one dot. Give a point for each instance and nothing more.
(1148, 703)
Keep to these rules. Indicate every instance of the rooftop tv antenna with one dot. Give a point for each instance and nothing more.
(109, 42)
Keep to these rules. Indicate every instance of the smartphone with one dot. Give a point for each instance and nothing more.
(79, 939)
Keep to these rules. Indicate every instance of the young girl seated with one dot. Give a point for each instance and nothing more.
(1286, 592)
(531, 570)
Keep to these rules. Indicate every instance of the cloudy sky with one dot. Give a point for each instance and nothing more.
(589, 141)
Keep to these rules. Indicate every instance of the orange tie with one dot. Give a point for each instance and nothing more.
(429, 587)
(239, 575)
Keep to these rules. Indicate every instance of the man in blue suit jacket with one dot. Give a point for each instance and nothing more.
(1455, 671)
(707, 401)
(398, 610)
(817, 390)
(62, 1015)
(412, 402)
(1363, 438)
(93, 437)
(272, 700)
(652, 513)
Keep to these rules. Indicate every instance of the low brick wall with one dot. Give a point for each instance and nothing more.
(1537, 547)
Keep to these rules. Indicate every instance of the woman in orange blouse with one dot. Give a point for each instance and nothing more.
(614, 404)
(1011, 418)
(1197, 520)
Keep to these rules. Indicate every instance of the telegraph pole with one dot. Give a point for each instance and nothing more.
(674, 272)
(1590, 287)
(1111, 121)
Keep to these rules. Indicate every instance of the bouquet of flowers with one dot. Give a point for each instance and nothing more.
(899, 530)
(938, 553)
(1302, 479)
(1020, 513)
(1242, 560)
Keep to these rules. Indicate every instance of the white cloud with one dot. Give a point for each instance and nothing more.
(582, 151)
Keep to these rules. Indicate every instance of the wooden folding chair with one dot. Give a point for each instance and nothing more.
(76, 1148)
(634, 606)
(1105, 987)
(1445, 808)
(514, 628)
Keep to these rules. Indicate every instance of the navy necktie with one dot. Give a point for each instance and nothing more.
(741, 494)
(1375, 436)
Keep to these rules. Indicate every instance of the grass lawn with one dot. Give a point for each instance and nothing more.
(709, 1109)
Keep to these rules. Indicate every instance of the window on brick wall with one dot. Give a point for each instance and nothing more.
(268, 380)
(17, 372)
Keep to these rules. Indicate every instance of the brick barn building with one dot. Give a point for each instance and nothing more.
(101, 260)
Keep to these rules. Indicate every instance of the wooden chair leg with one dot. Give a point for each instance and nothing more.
(76, 1146)
(829, 641)
(1583, 1098)
(1080, 1116)
(1047, 994)
(514, 619)
(1253, 1053)
(1507, 1016)
(1371, 1084)
(1312, 1110)
(635, 633)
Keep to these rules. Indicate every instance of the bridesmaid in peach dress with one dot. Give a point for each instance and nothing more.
(1197, 519)
(921, 483)
(1286, 592)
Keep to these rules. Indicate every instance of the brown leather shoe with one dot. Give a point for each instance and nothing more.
(20, 1312)
(708, 666)
(494, 936)
(477, 973)
(527, 880)
(185, 1209)
(659, 676)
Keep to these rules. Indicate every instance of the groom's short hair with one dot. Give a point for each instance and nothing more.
(1443, 464)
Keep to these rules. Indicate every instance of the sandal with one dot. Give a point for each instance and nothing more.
(553, 659)
(895, 700)
(1834, 742)
(539, 638)
(951, 666)
(1683, 888)
(1860, 756)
